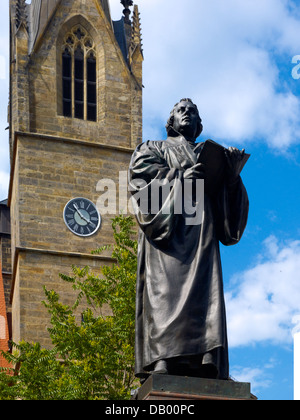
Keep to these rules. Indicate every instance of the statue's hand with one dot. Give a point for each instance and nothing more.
(233, 157)
(195, 172)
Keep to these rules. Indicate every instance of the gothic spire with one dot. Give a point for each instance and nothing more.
(136, 34)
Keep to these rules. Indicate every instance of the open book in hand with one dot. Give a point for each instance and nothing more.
(213, 157)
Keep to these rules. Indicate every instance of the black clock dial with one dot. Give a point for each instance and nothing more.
(82, 217)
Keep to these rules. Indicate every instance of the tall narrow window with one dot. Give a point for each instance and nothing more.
(91, 88)
(79, 83)
(79, 76)
(67, 83)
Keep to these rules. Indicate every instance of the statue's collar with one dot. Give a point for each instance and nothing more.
(177, 139)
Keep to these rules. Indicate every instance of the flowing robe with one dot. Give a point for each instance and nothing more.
(180, 308)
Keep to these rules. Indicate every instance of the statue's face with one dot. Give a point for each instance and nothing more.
(186, 119)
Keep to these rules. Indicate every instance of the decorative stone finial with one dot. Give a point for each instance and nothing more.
(136, 35)
(126, 11)
(21, 15)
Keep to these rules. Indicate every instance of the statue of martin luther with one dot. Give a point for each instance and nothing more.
(180, 309)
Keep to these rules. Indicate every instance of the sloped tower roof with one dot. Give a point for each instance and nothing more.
(39, 12)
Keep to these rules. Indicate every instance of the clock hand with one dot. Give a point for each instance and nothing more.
(80, 214)
(89, 222)
(84, 218)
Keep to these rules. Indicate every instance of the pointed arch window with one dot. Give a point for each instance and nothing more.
(79, 80)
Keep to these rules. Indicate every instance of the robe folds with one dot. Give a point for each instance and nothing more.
(180, 307)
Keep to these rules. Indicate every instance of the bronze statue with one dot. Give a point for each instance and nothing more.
(180, 309)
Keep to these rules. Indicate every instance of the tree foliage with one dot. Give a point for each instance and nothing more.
(91, 359)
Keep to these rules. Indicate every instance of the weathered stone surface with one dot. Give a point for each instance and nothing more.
(167, 387)
(55, 159)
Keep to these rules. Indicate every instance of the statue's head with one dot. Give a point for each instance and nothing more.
(185, 119)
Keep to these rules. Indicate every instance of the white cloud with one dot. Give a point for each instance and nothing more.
(259, 378)
(4, 160)
(2, 67)
(4, 181)
(224, 55)
(263, 303)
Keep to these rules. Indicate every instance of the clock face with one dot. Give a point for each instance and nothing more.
(82, 217)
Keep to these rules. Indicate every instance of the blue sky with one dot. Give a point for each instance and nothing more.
(234, 59)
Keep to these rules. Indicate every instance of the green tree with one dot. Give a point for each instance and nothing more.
(91, 359)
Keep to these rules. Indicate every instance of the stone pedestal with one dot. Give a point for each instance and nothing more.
(167, 387)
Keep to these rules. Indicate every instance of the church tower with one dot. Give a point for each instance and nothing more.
(75, 117)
